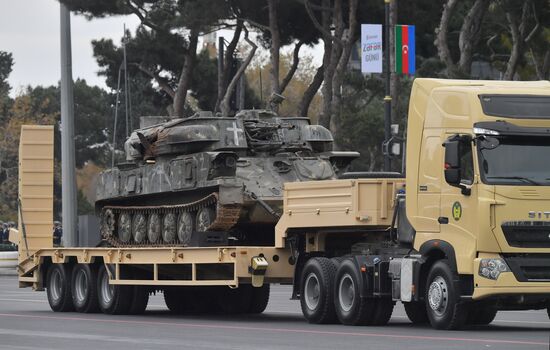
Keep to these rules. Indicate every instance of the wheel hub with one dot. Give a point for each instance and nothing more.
(107, 290)
(438, 295)
(81, 286)
(55, 285)
(312, 291)
(346, 293)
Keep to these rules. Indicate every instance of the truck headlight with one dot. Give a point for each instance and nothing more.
(492, 268)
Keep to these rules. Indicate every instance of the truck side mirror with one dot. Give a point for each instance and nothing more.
(452, 162)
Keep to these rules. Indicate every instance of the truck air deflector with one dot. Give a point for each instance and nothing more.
(505, 128)
(516, 106)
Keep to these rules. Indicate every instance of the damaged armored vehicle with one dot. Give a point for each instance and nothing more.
(208, 180)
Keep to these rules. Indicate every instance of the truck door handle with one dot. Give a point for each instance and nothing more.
(443, 220)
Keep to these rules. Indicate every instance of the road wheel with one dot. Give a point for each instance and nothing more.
(169, 227)
(185, 227)
(58, 288)
(205, 218)
(481, 314)
(113, 299)
(259, 299)
(84, 288)
(317, 290)
(416, 312)
(445, 311)
(154, 228)
(125, 227)
(351, 309)
(139, 227)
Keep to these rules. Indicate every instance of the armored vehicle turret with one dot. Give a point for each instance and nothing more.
(208, 180)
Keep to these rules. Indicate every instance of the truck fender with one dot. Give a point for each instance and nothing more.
(366, 265)
(440, 249)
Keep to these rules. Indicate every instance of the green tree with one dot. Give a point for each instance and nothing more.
(165, 45)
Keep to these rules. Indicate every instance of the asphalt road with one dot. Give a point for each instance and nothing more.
(26, 322)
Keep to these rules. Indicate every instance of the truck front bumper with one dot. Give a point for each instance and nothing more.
(530, 274)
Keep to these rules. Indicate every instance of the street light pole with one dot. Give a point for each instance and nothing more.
(387, 97)
(68, 176)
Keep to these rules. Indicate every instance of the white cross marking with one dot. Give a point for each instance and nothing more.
(236, 132)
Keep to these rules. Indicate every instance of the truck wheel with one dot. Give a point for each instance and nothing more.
(382, 311)
(351, 309)
(84, 288)
(548, 311)
(259, 299)
(317, 290)
(113, 299)
(481, 314)
(416, 312)
(445, 311)
(59, 288)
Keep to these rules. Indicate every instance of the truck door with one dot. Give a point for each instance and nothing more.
(429, 183)
(459, 202)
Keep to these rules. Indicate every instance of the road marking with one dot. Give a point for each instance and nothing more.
(279, 330)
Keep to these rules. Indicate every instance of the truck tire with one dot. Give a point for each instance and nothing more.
(234, 300)
(444, 308)
(259, 299)
(416, 312)
(481, 314)
(140, 299)
(382, 311)
(140, 296)
(351, 308)
(317, 290)
(177, 300)
(113, 299)
(84, 288)
(58, 287)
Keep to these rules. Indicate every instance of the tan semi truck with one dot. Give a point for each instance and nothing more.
(465, 234)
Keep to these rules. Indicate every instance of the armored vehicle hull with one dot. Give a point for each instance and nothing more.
(208, 180)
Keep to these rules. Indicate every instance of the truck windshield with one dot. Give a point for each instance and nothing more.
(515, 160)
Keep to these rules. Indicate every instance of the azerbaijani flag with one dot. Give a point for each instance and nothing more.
(404, 49)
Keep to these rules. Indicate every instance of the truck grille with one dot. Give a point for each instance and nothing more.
(529, 267)
(527, 234)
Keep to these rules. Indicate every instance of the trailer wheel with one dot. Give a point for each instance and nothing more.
(351, 309)
(234, 301)
(140, 297)
(481, 314)
(177, 300)
(259, 299)
(113, 299)
(84, 288)
(416, 312)
(317, 290)
(548, 311)
(445, 311)
(58, 282)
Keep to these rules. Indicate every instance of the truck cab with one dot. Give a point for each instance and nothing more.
(478, 186)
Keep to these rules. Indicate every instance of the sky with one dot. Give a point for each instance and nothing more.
(29, 29)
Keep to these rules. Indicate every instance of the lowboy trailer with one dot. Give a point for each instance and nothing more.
(464, 235)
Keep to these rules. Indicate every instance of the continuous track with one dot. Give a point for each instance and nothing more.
(166, 225)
